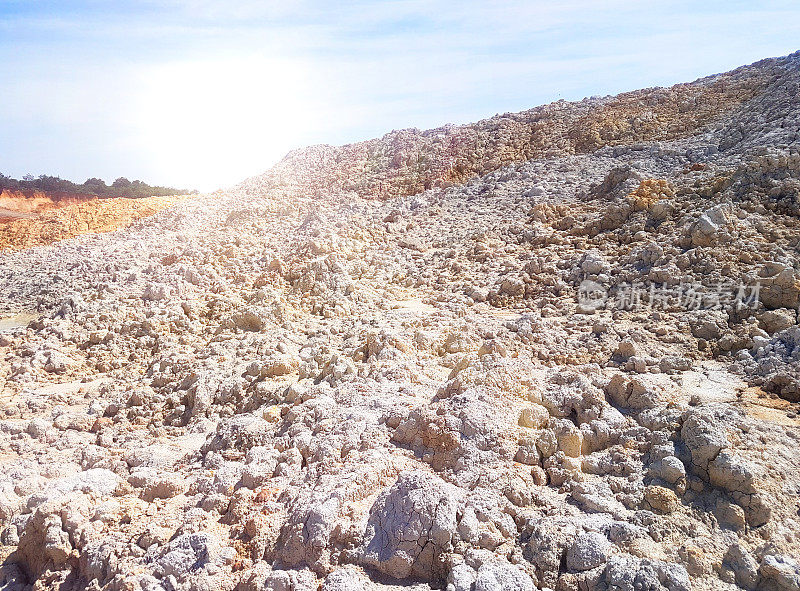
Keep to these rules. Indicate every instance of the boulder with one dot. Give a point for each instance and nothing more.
(410, 527)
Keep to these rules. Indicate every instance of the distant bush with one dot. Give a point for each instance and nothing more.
(121, 187)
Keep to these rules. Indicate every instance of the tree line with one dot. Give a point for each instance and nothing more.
(121, 187)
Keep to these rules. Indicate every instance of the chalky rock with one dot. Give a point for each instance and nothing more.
(411, 526)
(502, 576)
(589, 551)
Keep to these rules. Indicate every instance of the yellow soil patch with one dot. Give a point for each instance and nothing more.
(88, 217)
(650, 192)
(769, 407)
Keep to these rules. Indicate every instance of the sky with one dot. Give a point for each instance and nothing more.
(201, 95)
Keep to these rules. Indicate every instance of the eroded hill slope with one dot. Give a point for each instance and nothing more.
(41, 219)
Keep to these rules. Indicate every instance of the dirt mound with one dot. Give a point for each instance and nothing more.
(40, 219)
(408, 161)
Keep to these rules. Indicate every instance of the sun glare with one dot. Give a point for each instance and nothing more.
(206, 123)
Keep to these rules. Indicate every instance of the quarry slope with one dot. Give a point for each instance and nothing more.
(40, 219)
(551, 350)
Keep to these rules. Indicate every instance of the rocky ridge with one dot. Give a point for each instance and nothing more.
(551, 350)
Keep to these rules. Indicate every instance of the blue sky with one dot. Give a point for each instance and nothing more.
(201, 94)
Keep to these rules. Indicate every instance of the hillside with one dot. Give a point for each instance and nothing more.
(409, 161)
(557, 349)
(39, 219)
(43, 210)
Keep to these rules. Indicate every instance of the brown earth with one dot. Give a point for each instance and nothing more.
(40, 219)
